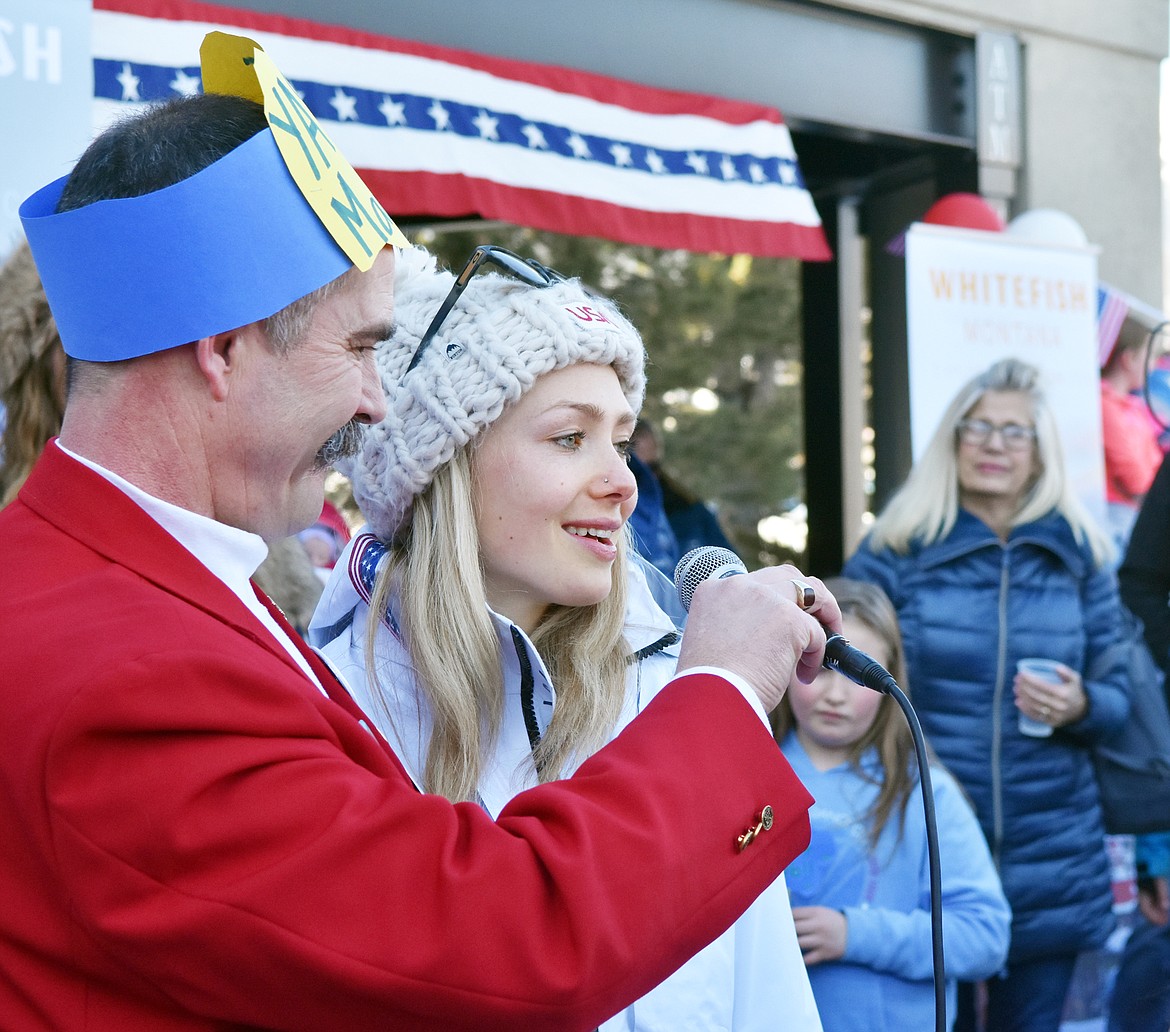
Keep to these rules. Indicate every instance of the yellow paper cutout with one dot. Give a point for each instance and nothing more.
(226, 61)
(238, 66)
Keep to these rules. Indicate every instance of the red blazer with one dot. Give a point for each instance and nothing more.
(195, 838)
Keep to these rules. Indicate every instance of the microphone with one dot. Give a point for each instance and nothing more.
(859, 667)
(709, 562)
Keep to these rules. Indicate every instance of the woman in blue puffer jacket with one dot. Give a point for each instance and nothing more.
(989, 558)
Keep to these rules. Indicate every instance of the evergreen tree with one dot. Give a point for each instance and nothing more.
(723, 341)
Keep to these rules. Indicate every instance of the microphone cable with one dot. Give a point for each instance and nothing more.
(709, 562)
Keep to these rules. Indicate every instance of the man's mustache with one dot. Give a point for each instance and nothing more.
(344, 443)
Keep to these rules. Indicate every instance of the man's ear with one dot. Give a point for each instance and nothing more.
(218, 358)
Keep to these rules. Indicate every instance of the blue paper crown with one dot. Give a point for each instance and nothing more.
(232, 244)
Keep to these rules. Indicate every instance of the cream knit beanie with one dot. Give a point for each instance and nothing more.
(500, 336)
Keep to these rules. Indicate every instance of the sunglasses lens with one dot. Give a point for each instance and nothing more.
(518, 267)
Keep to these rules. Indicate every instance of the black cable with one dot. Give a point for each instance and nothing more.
(932, 853)
(709, 562)
(869, 673)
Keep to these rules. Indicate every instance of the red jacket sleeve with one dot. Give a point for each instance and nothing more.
(196, 839)
(220, 841)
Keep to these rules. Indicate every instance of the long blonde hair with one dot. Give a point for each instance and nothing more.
(889, 733)
(31, 364)
(436, 571)
(924, 509)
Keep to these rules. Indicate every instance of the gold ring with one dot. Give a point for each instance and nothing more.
(806, 596)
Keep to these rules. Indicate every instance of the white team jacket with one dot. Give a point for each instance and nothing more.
(752, 978)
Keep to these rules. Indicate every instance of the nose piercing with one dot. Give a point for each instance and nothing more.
(607, 480)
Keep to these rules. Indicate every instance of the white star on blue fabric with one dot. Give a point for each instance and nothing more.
(136, 82)
(129, 82)
(344, 105)
(183, 84)
(393, 111)
(440, 116)
(489, 127)
(371, 555)
(535, 137)
(578, 146)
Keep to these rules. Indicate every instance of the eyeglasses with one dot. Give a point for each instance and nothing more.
(1015, 437)
(527, 269)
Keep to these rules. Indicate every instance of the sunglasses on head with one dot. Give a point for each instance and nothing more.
(527, 269)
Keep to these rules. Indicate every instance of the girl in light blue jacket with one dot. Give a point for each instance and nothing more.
(860, 892)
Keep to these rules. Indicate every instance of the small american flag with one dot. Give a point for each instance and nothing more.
(1112, 308)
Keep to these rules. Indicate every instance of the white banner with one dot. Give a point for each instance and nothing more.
(973, 298)
(46, 96)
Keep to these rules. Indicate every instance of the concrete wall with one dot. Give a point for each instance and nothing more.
(1090, 78)
(1091, 128)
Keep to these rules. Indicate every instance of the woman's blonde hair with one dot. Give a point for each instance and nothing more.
(31, 365)
(924, 509)
(436, 571)
(889, 733)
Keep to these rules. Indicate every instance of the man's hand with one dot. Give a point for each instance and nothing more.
(751, 625)
(821, 933)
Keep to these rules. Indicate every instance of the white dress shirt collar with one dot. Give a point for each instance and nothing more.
(231, 554)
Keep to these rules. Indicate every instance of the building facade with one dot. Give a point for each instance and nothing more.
(892, 103)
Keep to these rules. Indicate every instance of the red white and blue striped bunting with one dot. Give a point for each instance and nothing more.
(445, 133)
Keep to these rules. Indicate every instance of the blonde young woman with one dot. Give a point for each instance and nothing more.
(988, 559)
(492, 618)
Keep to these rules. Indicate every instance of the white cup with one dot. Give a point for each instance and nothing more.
(1044, 670)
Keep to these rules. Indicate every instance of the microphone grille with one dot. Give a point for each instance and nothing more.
(708, 562)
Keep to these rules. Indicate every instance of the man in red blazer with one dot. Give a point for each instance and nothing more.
(201, 830)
